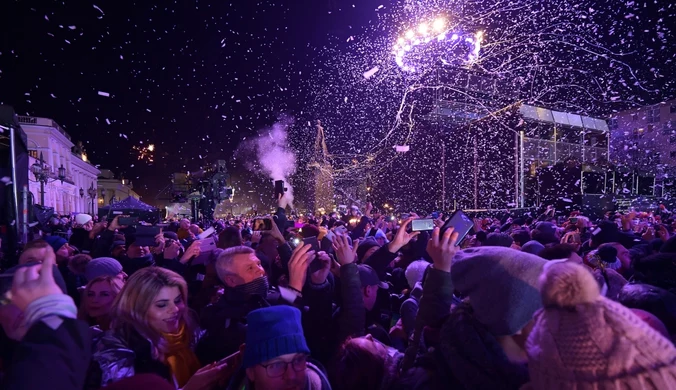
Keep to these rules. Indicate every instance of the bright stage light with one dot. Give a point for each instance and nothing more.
(439, 24)
(439, 38)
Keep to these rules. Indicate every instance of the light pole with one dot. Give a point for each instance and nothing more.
(92, 194)
(43, 175)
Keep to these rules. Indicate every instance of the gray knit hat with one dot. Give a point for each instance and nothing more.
(102, 266)
(501, 284)
(582, 340)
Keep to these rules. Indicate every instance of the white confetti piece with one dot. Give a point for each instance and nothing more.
(100, 10)
(369, 73)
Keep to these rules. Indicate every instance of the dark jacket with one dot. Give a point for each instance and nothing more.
(409, 309)
(49, 358)
(466, 356)
(225, 321)
(54, 353)
(80, 239)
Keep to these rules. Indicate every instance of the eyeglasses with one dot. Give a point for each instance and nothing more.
(277, 369)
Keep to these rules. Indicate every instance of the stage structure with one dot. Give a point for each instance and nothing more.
(458, 98)
(15, 204)
(204, 190)
(523, 156)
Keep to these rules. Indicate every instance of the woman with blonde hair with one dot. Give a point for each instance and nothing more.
(152, 331)
(97, 301)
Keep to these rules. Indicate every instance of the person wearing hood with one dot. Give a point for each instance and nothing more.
(481, 344)
(247, 289)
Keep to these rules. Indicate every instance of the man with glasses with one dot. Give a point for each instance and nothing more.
(276, 355)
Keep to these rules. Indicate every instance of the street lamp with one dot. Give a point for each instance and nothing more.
(92, 194)
(81, 193)
(43, 175)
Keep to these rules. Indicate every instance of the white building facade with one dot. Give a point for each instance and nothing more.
(114, 190)
(46, 137)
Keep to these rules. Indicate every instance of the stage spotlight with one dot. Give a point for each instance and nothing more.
(439, 24)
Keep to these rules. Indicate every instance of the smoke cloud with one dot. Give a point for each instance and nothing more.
(274, 157)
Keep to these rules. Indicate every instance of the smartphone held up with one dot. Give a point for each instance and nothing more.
(461, 223)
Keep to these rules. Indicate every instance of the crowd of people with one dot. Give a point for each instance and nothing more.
(346, 301)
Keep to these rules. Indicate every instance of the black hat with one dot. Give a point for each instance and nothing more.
(369, 277)
(364, 246)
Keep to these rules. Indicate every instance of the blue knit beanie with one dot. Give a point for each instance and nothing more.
(272, 332)
(56, 242)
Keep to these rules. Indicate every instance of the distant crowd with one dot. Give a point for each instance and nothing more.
(353, 300)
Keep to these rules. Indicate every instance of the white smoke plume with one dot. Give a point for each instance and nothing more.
(275, 158)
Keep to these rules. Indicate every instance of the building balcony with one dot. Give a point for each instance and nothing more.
(46, 122)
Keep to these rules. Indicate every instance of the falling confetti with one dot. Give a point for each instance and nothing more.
(197, 95)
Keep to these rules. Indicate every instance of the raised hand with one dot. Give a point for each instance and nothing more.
(36, 281)
(275, 231)
(160, 241)
(442, 249)
(345, 254)
(192, 252)
(319, 276)
(300, 260)
(402, 238)
(172, 250)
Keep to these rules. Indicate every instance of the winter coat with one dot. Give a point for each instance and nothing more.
(466, 356)
(117, 356)
(225, 321)
(409, 309)
(50, 357)
(80, 239)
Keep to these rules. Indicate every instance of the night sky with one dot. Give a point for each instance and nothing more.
(195, 78)
(191, 77)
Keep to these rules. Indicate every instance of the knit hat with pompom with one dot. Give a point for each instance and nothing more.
(582, 340)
